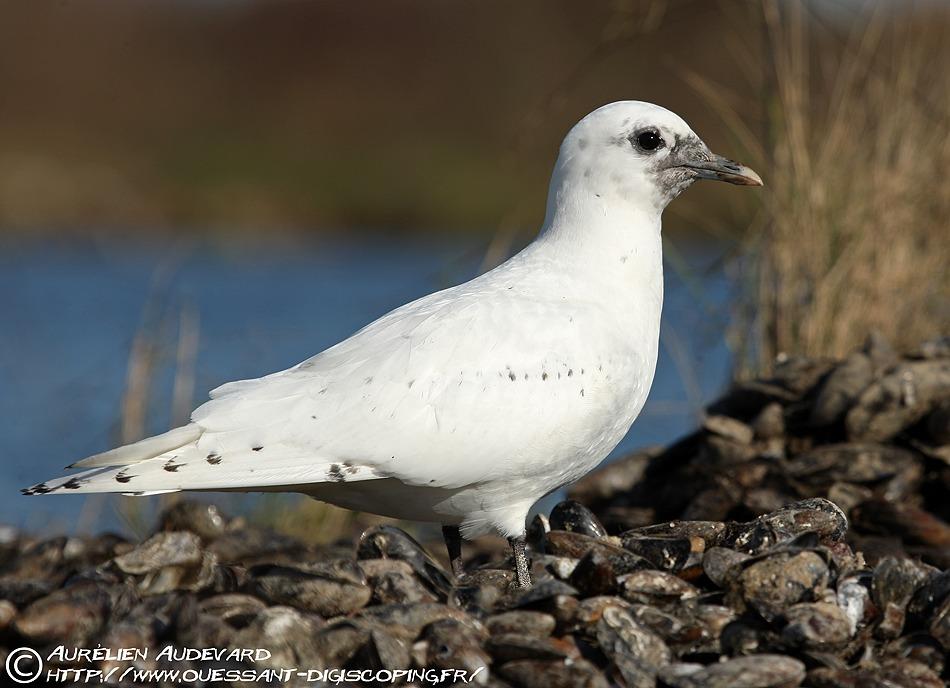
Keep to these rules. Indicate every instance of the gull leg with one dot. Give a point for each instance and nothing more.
(453, 543)
(522, 575)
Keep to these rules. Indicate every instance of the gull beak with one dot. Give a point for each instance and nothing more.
(724, 170)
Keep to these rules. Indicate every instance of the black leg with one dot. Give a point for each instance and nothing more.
(453, 543)
(522, 575)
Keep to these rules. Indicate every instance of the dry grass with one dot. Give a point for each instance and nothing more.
(854, 233)
(305, 519)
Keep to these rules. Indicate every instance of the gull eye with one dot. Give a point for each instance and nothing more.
(649, 140)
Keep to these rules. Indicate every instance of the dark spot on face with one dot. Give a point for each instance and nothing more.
(582, 371)
(511, 376)
(258, 448)
(544, 376)
(570, 372)
(336, 474)
(582, 391)
(123, 477)
(525, 376)
(672, 177)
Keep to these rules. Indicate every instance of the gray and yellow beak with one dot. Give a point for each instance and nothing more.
(724, 170)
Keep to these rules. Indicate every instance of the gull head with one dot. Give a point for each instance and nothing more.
(639, 153)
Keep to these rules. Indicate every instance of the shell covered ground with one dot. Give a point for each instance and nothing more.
(799, 537)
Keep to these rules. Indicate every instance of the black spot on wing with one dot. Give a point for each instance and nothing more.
(72, 484)
(41, 488)
(171, 466)
(213, 459)
(336, 473)
(123, 477)
(256, 448)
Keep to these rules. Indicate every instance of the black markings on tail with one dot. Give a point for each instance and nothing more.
(336, 473)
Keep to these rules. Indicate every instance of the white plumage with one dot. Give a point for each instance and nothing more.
(468, 405)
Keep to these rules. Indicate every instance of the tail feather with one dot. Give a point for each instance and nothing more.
(148, 448)
(275, 467)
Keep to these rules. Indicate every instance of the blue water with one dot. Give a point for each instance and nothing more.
(70, 310)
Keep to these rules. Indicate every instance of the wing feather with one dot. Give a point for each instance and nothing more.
(442, 392)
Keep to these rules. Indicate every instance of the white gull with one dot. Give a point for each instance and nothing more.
(468, 405)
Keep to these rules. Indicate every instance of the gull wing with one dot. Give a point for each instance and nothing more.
(444, 392)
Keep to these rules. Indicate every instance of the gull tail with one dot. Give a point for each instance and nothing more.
(137, 470)
(148, 448)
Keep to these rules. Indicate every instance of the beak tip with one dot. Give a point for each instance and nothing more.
(754, 178)
(746, 176)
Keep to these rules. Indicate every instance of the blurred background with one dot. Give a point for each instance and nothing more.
(196, 191)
